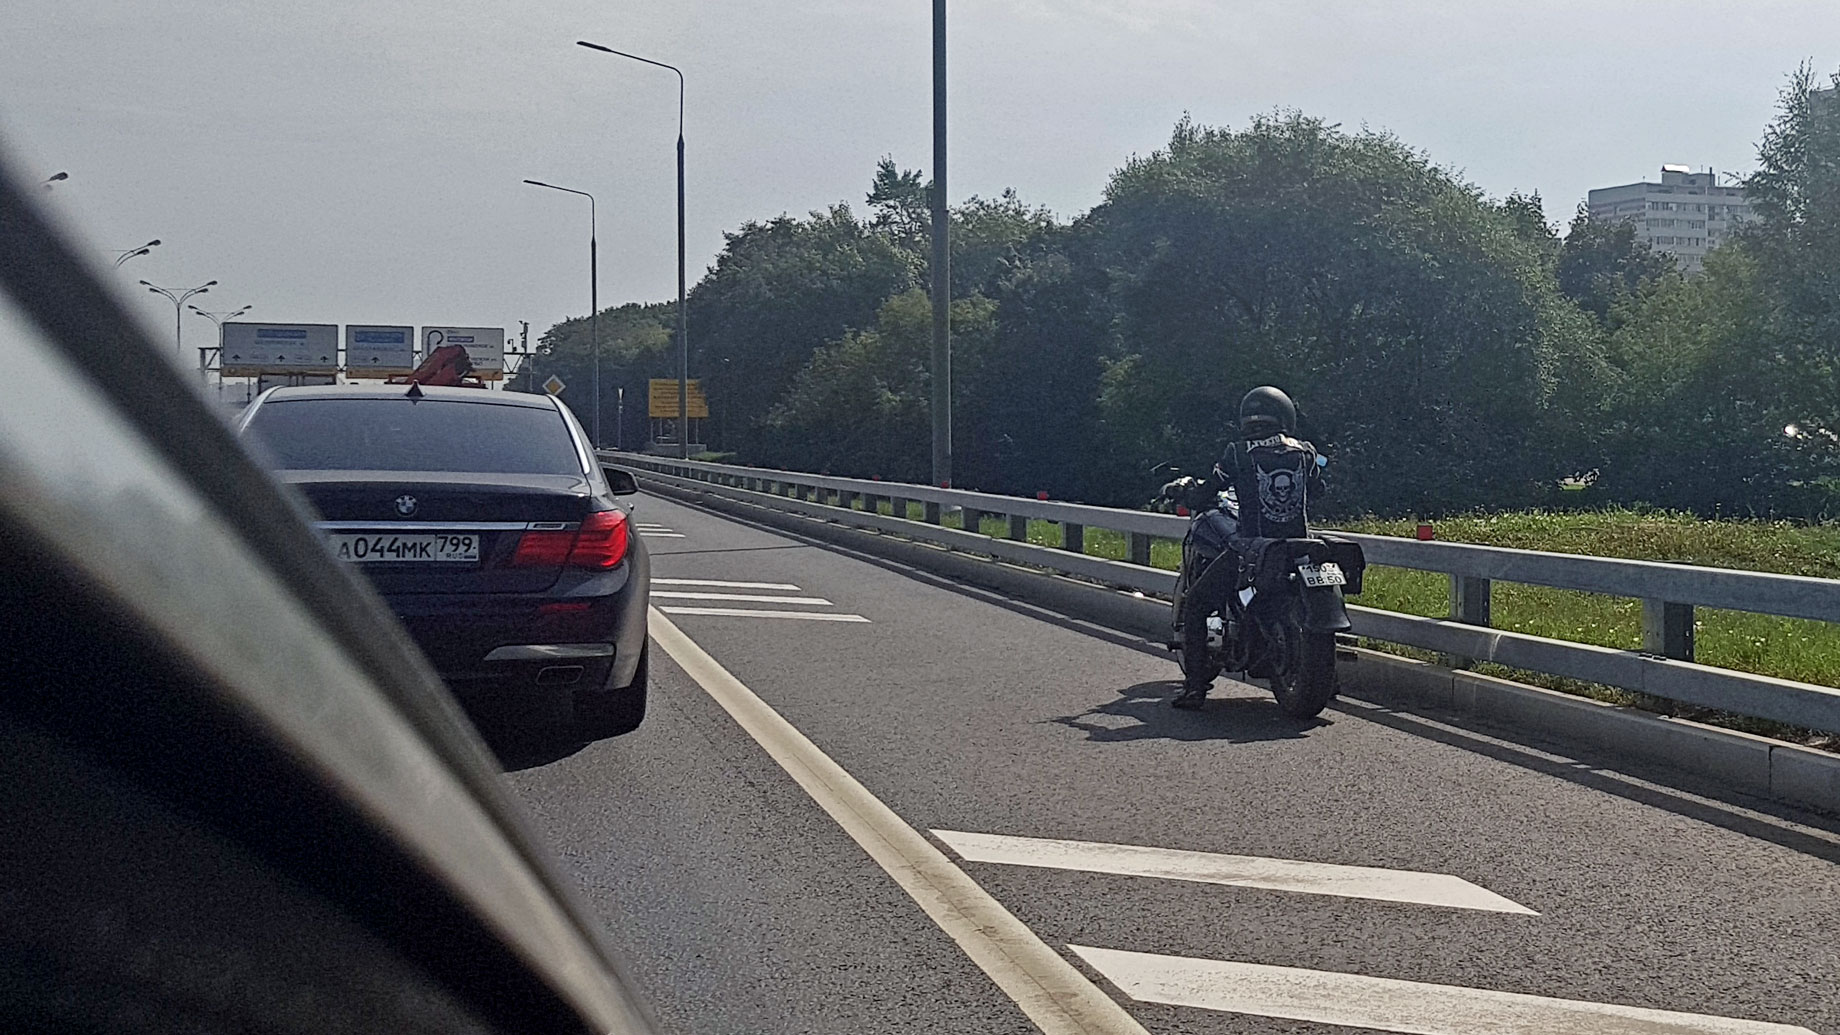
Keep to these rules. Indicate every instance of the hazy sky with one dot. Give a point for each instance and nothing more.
(347, 162)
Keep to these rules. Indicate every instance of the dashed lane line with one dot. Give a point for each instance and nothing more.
(1388, 1004)
(747, 598)
(1054, 995)
(1249, 871)
(720, 584)
(748, 612)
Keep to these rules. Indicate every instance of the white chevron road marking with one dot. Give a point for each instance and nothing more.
(1249, 871)
(1387, 1004)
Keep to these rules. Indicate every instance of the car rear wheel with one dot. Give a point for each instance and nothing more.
(611, 712)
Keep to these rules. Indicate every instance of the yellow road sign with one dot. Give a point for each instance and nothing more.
(664, 399)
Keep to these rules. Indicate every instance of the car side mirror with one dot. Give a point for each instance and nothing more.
(620, 480)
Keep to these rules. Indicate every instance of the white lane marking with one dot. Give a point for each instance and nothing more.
(660, 535)
(727, 585)
(1058, 998)
(1387, 1004)
(748, 612)
(744, 597)
(1249, 871)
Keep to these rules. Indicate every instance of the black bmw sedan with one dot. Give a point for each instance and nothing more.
(488, 526)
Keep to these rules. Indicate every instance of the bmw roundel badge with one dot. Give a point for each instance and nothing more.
(405, 505)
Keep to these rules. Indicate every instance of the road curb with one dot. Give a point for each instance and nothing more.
(1618, 736)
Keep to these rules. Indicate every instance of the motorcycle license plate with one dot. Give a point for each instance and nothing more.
(1328, 573)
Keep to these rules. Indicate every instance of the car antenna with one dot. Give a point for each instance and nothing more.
(415, 392)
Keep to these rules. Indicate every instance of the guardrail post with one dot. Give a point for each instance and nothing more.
(846, 500)
(1469, 604)
(1667, 629)
(973, 518)
(1073, 537)
(1019, 528)
(932, 513)
(1140, 549)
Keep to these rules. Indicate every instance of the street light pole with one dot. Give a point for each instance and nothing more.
(594, 297)
(942, 271)
(128, 253)
(178, 299)
(683, 333)
(218, 319)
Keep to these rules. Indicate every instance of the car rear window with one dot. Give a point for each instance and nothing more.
(396, 434)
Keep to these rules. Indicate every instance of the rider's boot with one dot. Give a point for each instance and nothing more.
(1191, 698)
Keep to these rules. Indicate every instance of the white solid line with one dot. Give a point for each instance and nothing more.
(1248, 871)
(748, 612)
(1049, 990)
(744, 597)
(660, 535)
(726, 585)
(1387, 1004)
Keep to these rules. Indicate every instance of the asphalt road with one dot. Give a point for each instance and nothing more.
(746, 907)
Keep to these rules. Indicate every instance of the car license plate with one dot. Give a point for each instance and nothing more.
(385, 548)
(1328, 573)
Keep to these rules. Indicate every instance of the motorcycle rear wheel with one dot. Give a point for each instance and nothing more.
(1309, 687)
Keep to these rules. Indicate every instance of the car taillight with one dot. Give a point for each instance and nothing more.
(544, 549)
(602, 542)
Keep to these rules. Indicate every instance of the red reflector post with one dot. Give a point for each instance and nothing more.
(1426, 533)
(602, 542)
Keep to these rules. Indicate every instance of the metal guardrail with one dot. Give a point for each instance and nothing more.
(1670, 593)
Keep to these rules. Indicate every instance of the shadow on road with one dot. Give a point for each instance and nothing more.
(1236, 720)
(527, 747)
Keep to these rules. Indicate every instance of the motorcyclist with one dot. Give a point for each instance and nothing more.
(1274, 474)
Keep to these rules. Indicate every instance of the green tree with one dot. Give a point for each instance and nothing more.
(1795, 239)
(1027, 412)
(1696, 423)
(860, 405)
(777, 292)
(1416, 323)
(902, 205)
(636, 340)
(1601, 264)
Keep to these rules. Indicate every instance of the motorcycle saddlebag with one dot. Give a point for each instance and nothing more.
(1347, 554)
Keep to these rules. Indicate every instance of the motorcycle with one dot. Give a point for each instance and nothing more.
(1280, 621)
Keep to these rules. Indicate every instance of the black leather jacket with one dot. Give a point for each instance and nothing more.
(1275, 478)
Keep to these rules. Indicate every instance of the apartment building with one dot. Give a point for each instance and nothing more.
(1686, 215)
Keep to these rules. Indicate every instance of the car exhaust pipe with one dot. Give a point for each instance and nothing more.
(559, 675)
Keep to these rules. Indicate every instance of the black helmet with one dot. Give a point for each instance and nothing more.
(1267, 411)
